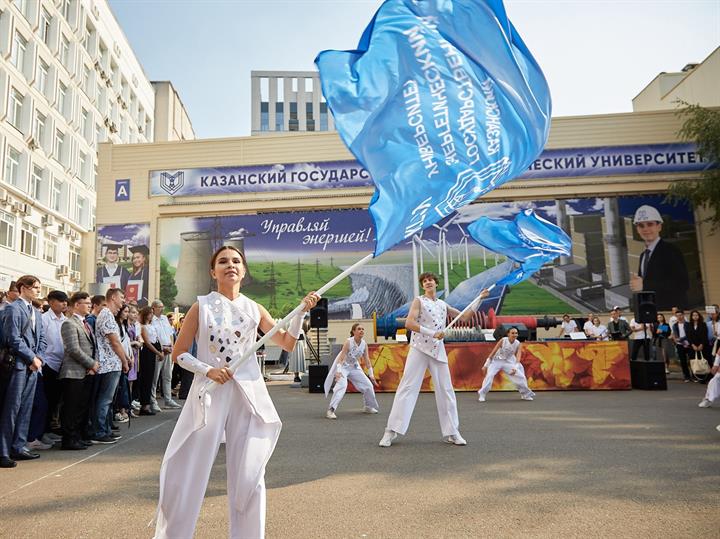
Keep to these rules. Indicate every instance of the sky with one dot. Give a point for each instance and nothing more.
(596, 54)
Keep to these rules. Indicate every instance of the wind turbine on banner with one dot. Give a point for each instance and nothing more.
(464, 243)
(417, 256)
(442, 244)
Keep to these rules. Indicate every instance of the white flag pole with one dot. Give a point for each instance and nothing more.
(235, 363)
(471, 305)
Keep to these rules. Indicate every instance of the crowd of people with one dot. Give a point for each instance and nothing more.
(74, 368)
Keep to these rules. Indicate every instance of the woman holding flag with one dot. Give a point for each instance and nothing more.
(426, 319)
(506, 357)
(224, 325)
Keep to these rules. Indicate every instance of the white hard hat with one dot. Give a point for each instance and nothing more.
(646, 213)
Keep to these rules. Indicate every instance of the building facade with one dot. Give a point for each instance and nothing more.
(288, 101)
(69, 80)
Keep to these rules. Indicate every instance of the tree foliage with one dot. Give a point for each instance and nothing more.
(168, 290)
(701, 126)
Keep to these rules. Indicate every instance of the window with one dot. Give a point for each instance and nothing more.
(81, 210)
(87, 84)
(56, 200)
(59, 145)
(264, 118)
(279, 117)
(45, 21)
(7, 230)
(42, 76)
(36, 183)
(39, 128)
(74, 258)
(99, 136)
(16, 107)
(83, 161)
(323, 117)
(29, 239)
(86, 125)
(65, 51)
(50, 249)
(65, 9)
(19, 49)
(22, 7)
(12, 168)
(62, 98)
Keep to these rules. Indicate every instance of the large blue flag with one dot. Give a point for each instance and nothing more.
(528, 240)
(442, 102)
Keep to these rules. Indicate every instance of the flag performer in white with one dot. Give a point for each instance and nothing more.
(426, 320)
(224, 325)
(506, 357)
(347, 367)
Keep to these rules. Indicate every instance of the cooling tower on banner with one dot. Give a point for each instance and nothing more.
(239, 244)
(192, 277)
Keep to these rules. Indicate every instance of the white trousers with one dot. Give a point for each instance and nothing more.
(409, 389)
(713, 388)
(361, 382)
(518, 378)
(162, 369)
(185, 475)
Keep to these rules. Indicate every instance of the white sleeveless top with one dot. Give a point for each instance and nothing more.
(355, 353)
(433, 315)
(507, 350)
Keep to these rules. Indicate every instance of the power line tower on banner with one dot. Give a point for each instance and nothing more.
(299, 286)
(272, 282)
(317, 268)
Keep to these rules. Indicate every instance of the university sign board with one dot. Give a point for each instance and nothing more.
(570, 162)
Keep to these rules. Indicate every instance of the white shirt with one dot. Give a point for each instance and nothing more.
(673, 320)
(163, 329)
(637, 330)
(569, 327)
(54, 351)
(681, 330)
(104, 326)
(599, 331)
(588, 327)
(151, 333)
(507, 350)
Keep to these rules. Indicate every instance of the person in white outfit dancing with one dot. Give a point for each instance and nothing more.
(347, 367)
(506, 357)
(713, 388)
(224, 325)
(426, 320)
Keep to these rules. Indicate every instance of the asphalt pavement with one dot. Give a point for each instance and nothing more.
(570, 464)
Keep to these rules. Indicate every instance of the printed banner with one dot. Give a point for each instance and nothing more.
(290, 253)
(554, 365)
(571, 162)
(123, 257)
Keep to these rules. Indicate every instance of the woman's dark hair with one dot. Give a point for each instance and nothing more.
(663, 318)
(428, 275)
(221, 249)
(27, 281)
(700, 317)
(145, 313)
(122, 323)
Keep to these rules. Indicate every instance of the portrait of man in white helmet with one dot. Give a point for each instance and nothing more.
(661, 268)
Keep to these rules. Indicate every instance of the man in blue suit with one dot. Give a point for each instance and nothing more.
(23, 336)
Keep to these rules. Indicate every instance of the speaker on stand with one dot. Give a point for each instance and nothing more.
(646, 374)
(318, 373)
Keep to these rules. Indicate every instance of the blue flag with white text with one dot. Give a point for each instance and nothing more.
(442, 102)
(528, 240)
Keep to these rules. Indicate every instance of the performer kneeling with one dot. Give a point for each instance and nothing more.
(506, 357)
(224, 325)
(347, 367)
(426, 319)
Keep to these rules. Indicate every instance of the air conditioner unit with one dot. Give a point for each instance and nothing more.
(117, 50)
(74, 235)
(113, 128)
(32, 144)
(4, 197)
(22, 207)
(75, 276)
(140, 129)
(107, 122)
(95, 11)
(62, 271)
(48, 220)
(64, 228)
(97, 66)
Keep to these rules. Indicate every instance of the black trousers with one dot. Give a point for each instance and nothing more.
(76, 407)
(145, 375)
(682, 354)
(53, 393)
(643, 345)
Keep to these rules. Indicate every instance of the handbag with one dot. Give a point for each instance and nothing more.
(699, 365)
(7, 359)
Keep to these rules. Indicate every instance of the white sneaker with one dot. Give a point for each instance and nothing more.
(156, 408)
(454, 439)
(705, 404)
(481, 399)
(330, 414)
(135, 404)
(369, 410)
(388, 438)
(172, 404)
(50, 438)
(526, 398)
(37, 444)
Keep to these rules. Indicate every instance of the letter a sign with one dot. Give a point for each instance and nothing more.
(122, 190)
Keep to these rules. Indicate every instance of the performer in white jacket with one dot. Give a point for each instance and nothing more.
(713, 388)
(427, 319)
(506, 357)
(224, 325)
(347, 367)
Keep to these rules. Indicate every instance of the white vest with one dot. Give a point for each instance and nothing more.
(433, 315)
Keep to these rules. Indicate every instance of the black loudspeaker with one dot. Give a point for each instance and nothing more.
(648, 375)
(645, 308)
(502, 329)
(319, 314)
(316, 378)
